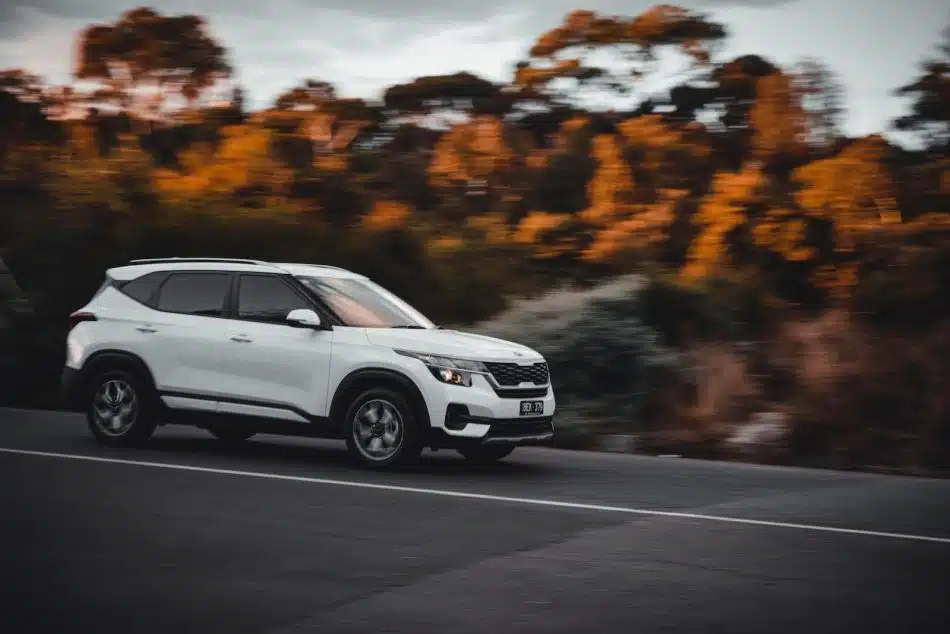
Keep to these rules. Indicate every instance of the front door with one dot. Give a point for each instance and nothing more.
(271, 368)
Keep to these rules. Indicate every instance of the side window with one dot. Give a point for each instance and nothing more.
(195, 293)
(142, 289)
(266, 298)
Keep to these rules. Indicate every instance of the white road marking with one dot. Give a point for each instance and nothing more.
(486, 496)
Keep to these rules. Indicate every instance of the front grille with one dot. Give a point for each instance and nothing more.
(522, 392)
(512, 374)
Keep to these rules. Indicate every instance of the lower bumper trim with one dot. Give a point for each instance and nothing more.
(519, 440)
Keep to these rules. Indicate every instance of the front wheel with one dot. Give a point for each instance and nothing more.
(381, 429)
(486, 454)
(121, 408)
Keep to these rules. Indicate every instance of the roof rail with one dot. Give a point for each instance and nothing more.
(177, 259)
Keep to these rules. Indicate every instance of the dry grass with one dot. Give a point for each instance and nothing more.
(865, 398)
(850, 396)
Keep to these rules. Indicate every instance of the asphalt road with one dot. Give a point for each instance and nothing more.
(285, 536)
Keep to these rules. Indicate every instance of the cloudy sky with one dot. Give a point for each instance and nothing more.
(364, 45)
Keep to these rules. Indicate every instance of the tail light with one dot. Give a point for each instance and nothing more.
(80, 316)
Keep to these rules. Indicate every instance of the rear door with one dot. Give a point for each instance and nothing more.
(187, 335)
(271, 368)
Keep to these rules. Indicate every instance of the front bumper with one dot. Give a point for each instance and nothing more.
(472, 412)
(516, 431)
(484, 430)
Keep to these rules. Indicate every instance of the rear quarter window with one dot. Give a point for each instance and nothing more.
(145, 288)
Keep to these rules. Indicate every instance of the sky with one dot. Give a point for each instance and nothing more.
(362, 46)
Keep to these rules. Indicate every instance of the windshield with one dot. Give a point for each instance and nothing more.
(361, 303)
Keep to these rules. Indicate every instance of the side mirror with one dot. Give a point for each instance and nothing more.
(303, 318)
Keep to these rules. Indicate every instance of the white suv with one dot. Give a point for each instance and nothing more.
(240, 347)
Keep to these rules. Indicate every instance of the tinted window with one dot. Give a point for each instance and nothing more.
(195, 293)
(142, 289)
(265, 298)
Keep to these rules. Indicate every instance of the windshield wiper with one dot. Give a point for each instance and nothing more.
(410, 327)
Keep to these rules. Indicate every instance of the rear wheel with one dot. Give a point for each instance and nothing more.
(486, 454)
(381, 429)
(121, 408)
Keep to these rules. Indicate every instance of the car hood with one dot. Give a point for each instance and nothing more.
(452, 343)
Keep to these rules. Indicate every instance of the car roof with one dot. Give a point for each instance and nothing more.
(137, 268)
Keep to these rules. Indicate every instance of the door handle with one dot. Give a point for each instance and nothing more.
(241, 339)
(145, 329)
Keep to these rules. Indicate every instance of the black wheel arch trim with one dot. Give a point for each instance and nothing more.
(338, 404)
(74, 380)
(107, 358)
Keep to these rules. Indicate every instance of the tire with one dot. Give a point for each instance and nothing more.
(486, 454)
(121, 408)
(231, 435)
(403, 428)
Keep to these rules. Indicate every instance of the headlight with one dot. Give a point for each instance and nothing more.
(447, 369)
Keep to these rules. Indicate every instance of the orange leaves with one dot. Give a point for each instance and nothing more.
(778, 117)
(621, 220)
(332, 163)
(470, 151)
(242, 164)
(853, 190)
(536, 224)
(575, 48)
(610, 191)
(547, 234)
(725, 210)
(782, 232)
(646, 227)
(533, 77)
(387, 215)
(748, 215)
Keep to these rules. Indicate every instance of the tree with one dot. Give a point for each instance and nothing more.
(309, 96)
(853, 190)
(145, 58)
(475, 165)
(313, 112)
(337, 123)
(460, 92)
(929, 115)
(242, 169)
(567, 55)
(724, 103)
(822, 97)
(778, 119)
(853, 196)
(24, 119)
(624, 216)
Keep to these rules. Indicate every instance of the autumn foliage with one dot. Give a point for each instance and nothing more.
(460, 193)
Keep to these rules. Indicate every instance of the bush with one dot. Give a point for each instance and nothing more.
(864, 397)
(605, 361)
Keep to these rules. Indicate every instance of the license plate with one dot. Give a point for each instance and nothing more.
(532, 408)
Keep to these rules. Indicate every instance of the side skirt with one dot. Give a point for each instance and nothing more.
(260, 423)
